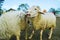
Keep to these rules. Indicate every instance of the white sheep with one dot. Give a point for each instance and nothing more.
(41, 21)
(11, 23)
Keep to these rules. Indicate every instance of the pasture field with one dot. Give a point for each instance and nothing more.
(36, 36)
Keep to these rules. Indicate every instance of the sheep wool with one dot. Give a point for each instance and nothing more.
(11, 23)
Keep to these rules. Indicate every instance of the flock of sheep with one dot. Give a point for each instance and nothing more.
(11, 23)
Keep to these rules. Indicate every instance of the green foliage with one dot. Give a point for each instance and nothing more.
(52, 10)
(1, 11)
(10, 10)
(23, 7)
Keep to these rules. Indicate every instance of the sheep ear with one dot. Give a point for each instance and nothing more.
(40, 12)
(38, 7)
(26, 12)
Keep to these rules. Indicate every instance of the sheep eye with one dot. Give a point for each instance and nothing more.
(35, 9)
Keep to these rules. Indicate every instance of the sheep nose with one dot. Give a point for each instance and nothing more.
(28, 14)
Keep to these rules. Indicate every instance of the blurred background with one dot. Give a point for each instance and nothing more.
(45, 6)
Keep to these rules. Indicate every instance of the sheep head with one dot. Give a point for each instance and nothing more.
(33, 11)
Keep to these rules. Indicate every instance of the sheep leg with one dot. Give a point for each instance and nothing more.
(41, 34)
(50, 34)
(31, 34)
(26, 34)
(18, 37)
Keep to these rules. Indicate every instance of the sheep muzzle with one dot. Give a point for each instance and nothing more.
(28, 15)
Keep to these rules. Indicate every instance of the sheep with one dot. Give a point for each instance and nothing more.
(41, 21)
(11, 23)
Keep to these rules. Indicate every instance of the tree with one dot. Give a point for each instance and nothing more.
(23, 7)
(58, 9)
(52, 10)
(11, 9)
(1, 1)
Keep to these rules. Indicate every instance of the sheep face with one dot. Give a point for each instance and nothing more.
(32, 12)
